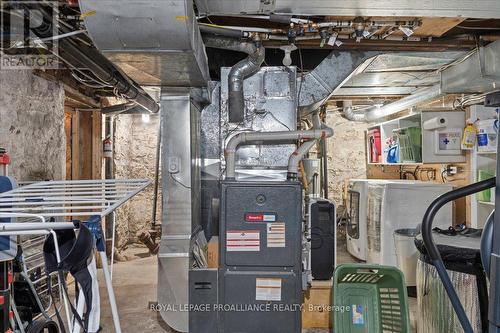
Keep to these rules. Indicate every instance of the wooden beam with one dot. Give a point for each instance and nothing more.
(68, 115)
(436, 26)
(96, 145)
(85, 145)
(75, 145)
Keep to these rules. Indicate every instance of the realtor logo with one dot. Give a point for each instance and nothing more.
(358, 317)
(28, 35)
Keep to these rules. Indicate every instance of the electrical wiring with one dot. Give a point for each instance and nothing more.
(301, 73)
(93, 86)
(73, 69)
(96, 82)
(443, 177)
(68, 34)
(274, 117)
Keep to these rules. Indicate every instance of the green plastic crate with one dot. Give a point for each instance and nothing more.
(376, 297)
(410, 144)
(486, 194)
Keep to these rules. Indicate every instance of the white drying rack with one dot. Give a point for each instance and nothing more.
(60, 201)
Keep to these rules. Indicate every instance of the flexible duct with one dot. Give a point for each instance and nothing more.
(270, 138)
(240, 71)
(350, 114)
(421, 96)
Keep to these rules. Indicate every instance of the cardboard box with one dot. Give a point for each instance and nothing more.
(317, 304)
(213, 252)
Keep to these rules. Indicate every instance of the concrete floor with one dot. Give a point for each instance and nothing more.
(135, 288)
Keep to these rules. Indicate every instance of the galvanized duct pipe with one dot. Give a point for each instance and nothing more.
(338, 67)
(349, 113)
(220, 31)
(268, 138)
(421, 96)
(240, 71)
(227, 43)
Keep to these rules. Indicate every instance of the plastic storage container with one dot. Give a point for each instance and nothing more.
(410, 144)
(486, 194)
(407, 254)
(487, 135)
(376, 297)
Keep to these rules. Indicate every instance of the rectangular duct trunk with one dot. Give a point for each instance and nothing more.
(181, 201)
(435, 8)
(479, 73)
(155, 42)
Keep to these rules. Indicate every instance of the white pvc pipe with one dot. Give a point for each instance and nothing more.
(420, 96)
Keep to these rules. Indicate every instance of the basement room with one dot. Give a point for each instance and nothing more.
(257, 166)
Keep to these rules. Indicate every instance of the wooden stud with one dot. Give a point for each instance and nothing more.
(96, 145)
(75, 145)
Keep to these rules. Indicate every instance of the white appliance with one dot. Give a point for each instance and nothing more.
(358, 208)
(398, 205)
(356, 224)
(357, 205)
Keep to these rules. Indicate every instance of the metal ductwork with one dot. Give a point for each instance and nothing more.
(227, 43)
(243, 69)
(437, 8)
(421, 96)
(478, 73)
(154, 42)
(338, 67)
(349, 113)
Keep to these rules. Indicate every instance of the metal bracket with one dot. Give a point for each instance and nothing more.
(492, 99)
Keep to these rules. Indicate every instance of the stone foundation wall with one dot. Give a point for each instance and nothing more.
(32, 126)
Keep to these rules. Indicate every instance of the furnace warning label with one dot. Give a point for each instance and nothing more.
(243, 240)
(276, 235)
(268, 289)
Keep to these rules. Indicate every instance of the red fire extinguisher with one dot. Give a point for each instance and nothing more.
(108, 148)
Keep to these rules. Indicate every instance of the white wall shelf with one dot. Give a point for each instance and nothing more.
(486, 161)
(430, 151)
